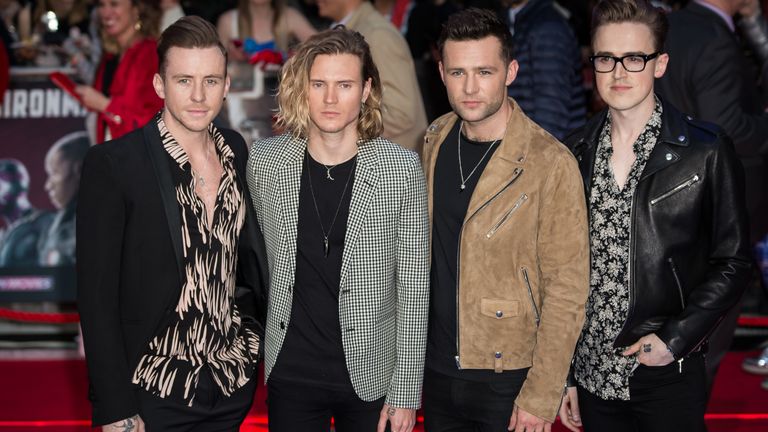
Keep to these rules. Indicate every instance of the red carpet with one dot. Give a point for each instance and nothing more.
(51, 396)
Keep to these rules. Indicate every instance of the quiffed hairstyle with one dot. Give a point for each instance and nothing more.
(188, 32)
(634, 11)
(292, 99)
(475, 24)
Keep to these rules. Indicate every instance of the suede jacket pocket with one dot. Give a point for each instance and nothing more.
(499, 308)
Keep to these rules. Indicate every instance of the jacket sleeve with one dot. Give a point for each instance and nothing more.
(563, 252)
(100, 228)
(729, 257)
(412, 292)
(135, 102)
(718, 99)
(252, 279)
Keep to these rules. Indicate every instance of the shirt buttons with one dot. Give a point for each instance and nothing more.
(282, 325)
(499, 314)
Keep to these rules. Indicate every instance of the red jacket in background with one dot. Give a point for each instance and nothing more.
(133, 101)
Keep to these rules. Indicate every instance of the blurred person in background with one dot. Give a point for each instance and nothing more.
(15, 27)
(122, 94)
(268, 24)
(56, 20)
(405, 118)
(754, 28)
(548, 86)
(172, 11)
(711, 79)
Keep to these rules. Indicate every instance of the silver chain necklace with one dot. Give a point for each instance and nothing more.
(461, 169)
(314, 200)
(200, 178)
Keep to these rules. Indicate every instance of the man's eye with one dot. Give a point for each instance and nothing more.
(457, 73)
(485, 72)
(183, 81)
(634, 60)
(604, 60)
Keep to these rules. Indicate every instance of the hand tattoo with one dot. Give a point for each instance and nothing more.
(128, 425)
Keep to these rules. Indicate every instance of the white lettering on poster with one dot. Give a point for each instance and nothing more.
(40, 103)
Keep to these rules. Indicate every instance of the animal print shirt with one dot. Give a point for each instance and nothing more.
(206, 329)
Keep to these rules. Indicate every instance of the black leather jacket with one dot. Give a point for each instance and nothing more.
(689, 243)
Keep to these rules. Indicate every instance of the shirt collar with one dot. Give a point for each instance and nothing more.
(177, 152)
(727, 18)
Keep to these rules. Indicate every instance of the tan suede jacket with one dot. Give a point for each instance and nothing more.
(523, 259)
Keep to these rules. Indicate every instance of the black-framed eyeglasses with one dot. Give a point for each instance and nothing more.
(631, 62)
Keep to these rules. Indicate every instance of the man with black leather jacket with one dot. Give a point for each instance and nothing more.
(669, 238)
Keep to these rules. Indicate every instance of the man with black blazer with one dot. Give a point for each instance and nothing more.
(709, 78)
(170, 259)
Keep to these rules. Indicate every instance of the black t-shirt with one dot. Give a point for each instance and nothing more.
(450, 205)
(312, 351)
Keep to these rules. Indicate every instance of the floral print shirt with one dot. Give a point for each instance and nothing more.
(599, 367)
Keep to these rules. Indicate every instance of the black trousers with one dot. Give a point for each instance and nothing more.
(662, 399)
(211, 411)
(293, 408)
(453, 404)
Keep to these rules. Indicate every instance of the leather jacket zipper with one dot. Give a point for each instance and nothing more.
(530, 294)
(507, 215)
(515, 175)
(677, 281)
(631, 265)
(682, 186)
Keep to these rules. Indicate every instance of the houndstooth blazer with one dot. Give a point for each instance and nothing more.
(384, 283)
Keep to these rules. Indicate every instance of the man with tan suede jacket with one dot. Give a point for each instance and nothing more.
(510, 269)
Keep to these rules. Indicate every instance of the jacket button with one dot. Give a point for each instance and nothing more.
(681, 138)
(499, 314)
(282, 325)
(498, 354)
(668, 156)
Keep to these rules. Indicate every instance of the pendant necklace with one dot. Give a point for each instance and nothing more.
(464, 180)
(314, 200)
(200, 178)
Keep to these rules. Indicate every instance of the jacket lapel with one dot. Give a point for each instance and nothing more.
(673, 136)
(505, 164)
(157, 156)
(289, 185)
(363, 190)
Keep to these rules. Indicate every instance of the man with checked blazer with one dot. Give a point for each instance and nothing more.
(344, 216)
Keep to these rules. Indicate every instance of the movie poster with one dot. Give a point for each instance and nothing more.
(43, 142)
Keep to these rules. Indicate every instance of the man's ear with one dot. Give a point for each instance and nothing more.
(159, 85)
(661, 65)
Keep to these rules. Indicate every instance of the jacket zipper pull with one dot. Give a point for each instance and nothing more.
(458, 363)
(680, 365)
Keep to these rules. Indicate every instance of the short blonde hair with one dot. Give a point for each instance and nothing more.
(293, 106)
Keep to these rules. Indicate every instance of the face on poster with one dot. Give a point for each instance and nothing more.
(43, 145)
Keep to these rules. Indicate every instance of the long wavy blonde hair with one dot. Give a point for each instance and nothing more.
(293, 106)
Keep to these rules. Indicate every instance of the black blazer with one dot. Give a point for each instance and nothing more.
(129, 260)
(709, 78)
